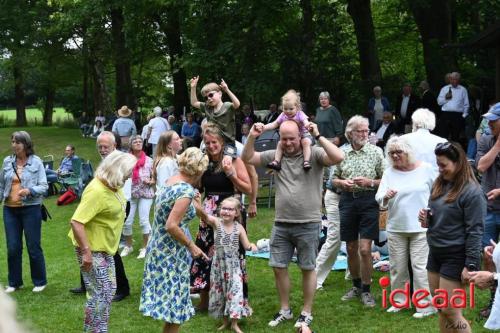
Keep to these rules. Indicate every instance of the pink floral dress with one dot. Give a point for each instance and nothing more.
(226, 278)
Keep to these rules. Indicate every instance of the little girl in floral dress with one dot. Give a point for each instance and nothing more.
(226, 280)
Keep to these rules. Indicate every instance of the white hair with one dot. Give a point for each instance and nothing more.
(157, 111)
(107, 134)
(423, 118)
(116, 168)
(353, 123)
(455, 75)
(399, 143)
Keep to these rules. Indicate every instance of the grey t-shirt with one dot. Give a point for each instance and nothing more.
(224, 119)
(298, 192)
(491, 177)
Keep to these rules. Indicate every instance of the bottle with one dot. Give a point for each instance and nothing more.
(449, 94)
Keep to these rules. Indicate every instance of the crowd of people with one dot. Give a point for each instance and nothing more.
(439, 217)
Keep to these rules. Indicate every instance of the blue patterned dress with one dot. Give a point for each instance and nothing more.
(165, 288)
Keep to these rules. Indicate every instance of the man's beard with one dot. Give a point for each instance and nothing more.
(360, 142)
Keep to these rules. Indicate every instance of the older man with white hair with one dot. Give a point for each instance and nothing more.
(454, 103)
(422, 141)
(157, 125)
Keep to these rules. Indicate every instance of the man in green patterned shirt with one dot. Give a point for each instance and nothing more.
(358, 177)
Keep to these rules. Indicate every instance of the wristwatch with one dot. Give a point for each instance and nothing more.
(373, 183)
(317, 137)
(495, 276)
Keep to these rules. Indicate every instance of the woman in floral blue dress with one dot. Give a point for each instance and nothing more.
(165, 289)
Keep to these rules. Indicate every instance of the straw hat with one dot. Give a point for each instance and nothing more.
(124, 112)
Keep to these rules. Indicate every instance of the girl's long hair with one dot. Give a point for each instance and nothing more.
(163, 150)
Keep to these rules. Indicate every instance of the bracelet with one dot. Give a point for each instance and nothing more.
(317, 137)
(189, 244)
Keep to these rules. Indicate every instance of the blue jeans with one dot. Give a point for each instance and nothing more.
(471, 148)
(29, 220)
(491, 228)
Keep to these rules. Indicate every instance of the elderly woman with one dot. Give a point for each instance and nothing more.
(95, 232)
(165, 289)
(455, 227)
(376, 106)
(124, 127)
(328, 119)
(142, 194)
(223, 178)
(405, 189)
(22, 185)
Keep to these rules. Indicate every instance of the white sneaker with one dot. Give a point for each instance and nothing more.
(38, 289)
(423, 314)
(142, 253)
(393, 309)
(280, 317)
(10, 289)
(126, 251)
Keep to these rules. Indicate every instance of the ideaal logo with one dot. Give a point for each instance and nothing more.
(441, 298)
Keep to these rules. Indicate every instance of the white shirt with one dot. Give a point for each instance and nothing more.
(164, 170)
(158, 125)
(423, 144)
(493, 322)
(145, 130)
(459, 101)
(413, 191)
(404, 105)
(378, 110)
(381, 131)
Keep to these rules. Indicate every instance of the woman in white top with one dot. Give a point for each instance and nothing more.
(405, 189)
(165, 163)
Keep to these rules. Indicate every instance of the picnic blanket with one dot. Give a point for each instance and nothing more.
(339, 265)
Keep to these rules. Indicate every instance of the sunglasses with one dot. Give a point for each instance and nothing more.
(447, 149)
(209, 95)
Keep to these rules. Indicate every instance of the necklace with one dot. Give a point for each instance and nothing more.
(121, 200)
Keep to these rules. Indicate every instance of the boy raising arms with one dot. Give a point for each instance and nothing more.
(218, 112)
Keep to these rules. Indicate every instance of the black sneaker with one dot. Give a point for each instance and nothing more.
(303, 319)
(280, 317)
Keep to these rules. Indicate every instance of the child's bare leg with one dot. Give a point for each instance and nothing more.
(234, 326)
(276, 164)
(225, 324)
(306, 150)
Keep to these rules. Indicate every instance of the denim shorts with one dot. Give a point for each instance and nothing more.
(491, 228)
(286, 237)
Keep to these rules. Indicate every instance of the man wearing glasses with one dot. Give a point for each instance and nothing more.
(358, 177)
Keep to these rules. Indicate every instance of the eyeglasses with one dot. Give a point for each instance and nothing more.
(362, 131)
(227, 209)
(209, 95)
(396, 152)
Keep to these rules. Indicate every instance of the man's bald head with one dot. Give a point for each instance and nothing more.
(290, 137)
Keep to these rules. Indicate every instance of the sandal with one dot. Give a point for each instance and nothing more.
(275, 165)
(306, 165)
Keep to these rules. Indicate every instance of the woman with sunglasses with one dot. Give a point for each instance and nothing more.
(224, 177)
(404, 190)
(454, 218)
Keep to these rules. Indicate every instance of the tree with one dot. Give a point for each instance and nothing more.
(360, 12)
(434, 21)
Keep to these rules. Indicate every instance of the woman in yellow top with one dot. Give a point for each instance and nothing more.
(95, 231)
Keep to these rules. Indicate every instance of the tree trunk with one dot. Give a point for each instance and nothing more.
(361, 14)
(434, 20)
(85, 86)
(124, 89)
(50, 93)
(19, 91)
(172, 30)
(306, 79)
(102, 101)
(48, 109)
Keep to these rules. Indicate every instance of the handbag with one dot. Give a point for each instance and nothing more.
(43, 210)
(382, 218)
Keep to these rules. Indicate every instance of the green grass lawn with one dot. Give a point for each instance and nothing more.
(34, 115)
(56, 310)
